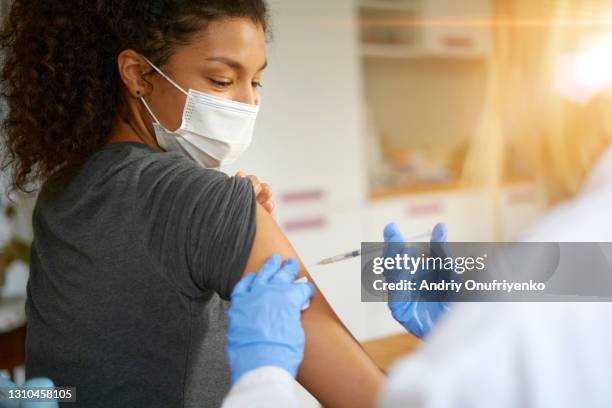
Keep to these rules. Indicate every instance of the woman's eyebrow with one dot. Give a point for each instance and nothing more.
(233, 63)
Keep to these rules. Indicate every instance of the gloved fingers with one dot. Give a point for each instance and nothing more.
(439, 242)
(306, 291)
(400, 310)
(439, 233)
(393, 240)
(267, 270)
(392, 233)
(287, 273)
(244, 284)
(38, 382)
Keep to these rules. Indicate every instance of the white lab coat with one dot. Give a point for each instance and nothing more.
(500, 354)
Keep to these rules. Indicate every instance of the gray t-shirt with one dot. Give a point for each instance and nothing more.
(131, 262)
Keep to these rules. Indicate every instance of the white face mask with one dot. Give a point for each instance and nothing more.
(214, 131)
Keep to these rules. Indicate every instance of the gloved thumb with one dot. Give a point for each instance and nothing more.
(439, 246)
(35, 383)
(439, 233)
(392, 233)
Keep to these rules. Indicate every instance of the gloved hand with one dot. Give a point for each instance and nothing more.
(408, 307)
(32, 383)
(264, 319)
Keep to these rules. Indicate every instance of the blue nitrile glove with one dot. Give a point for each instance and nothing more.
(264, 319)
(418, 317)
(33, 383)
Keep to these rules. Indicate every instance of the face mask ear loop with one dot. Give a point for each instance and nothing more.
(150, 111)
(166, 77)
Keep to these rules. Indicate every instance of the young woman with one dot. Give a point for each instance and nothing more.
(121, 109)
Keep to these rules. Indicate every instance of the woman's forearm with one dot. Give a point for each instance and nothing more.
(335, 369)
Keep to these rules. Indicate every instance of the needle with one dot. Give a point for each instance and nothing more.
(358, 252)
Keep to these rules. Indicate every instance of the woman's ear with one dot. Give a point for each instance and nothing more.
(132, 69)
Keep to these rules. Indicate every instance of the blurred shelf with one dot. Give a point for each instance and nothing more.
(383, 193)
(412, 29)
(401, 51)
(391, 51)
(398, 5)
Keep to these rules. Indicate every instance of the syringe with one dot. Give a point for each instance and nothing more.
(357, 252)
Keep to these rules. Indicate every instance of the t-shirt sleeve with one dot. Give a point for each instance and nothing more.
(201, 224)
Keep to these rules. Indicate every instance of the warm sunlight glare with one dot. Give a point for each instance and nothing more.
(582, 75)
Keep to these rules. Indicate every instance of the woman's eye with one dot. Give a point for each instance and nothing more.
(220, 84)
(257, 84)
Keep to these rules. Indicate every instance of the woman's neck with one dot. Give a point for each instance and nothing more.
(128, 131)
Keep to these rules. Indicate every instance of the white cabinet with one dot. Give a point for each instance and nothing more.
(471, 215)
(425, 28)
(458, 28)
(521, 206)
(468, 215)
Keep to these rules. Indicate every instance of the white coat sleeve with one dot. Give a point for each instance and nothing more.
(508, 355)
(269, 387)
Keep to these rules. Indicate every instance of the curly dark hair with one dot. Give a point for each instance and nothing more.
(60, 78)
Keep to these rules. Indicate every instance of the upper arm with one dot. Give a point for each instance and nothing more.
(198, 225)
(335, 369)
